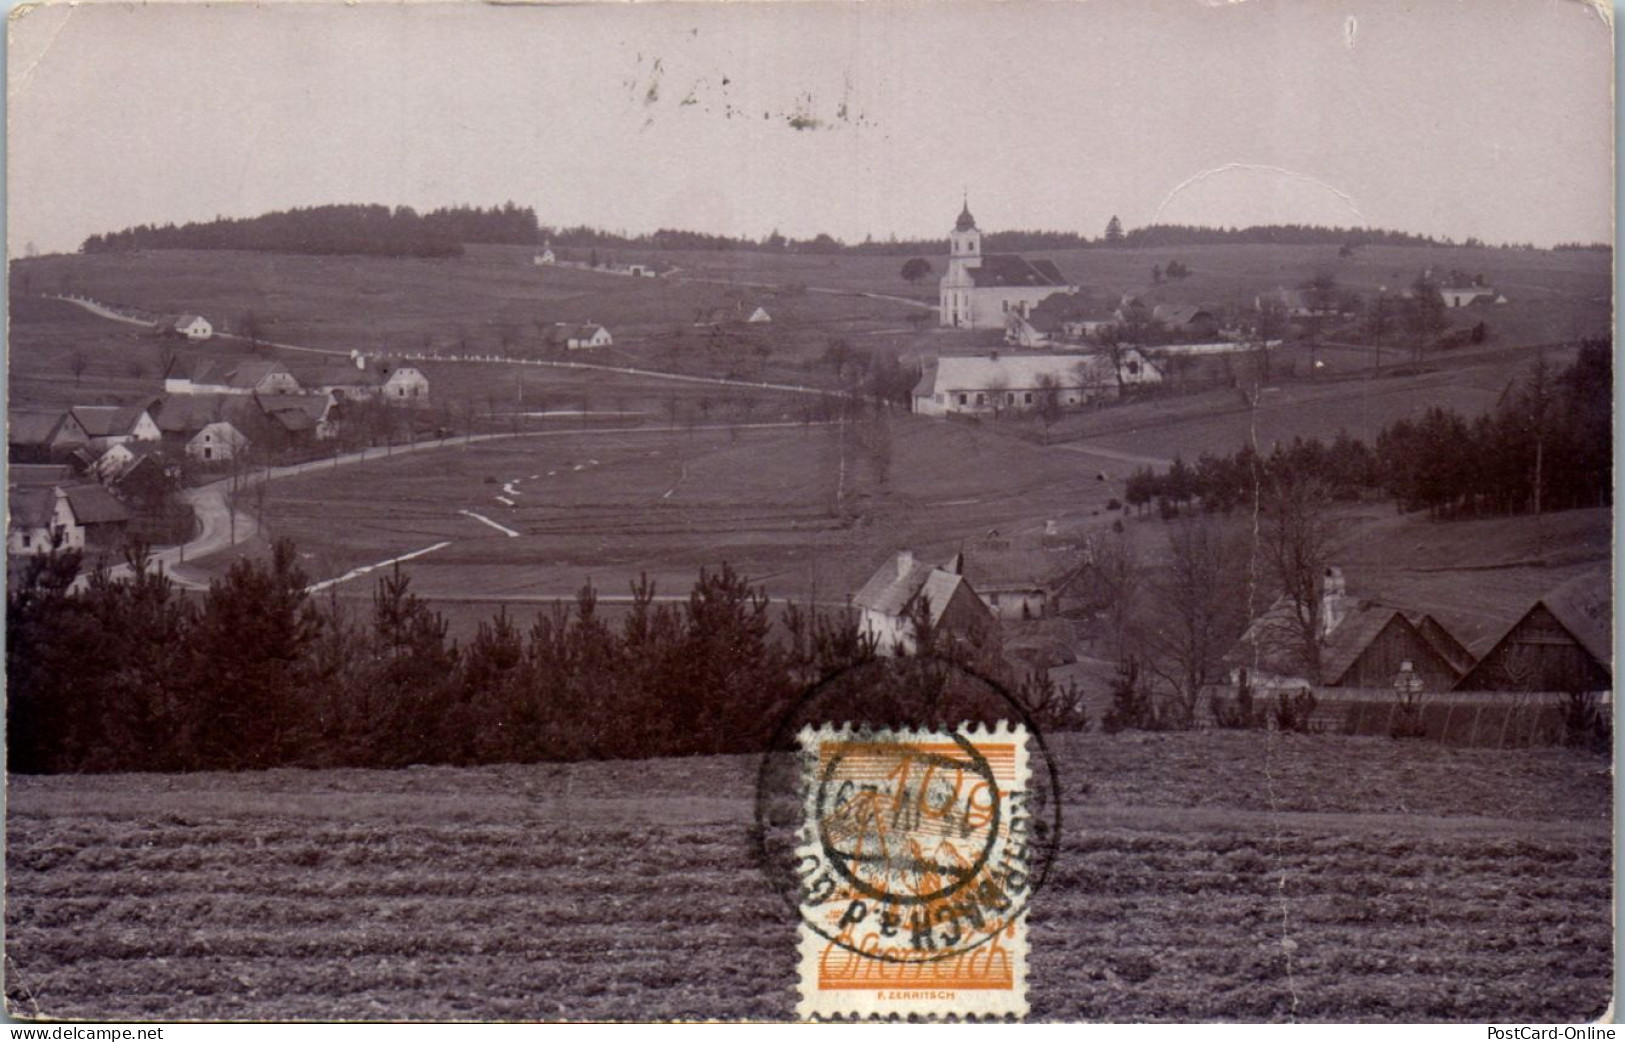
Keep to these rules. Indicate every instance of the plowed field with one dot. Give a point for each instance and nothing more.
(1208, 877)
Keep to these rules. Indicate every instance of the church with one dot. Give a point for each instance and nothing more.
(982, 292)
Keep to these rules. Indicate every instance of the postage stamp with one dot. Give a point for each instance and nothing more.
(915, 872)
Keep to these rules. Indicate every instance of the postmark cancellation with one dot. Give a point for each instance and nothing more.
(914, 872)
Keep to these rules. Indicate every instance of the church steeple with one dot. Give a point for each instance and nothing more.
(965, 241)
(966, 222)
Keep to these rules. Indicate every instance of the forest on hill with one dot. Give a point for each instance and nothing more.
(401, 231)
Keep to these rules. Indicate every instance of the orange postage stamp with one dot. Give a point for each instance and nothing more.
(915, 872)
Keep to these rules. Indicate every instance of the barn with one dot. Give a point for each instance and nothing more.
(1564, 642)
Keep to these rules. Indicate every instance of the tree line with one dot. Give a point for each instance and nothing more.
(1548, 445)
(132, 675)
(341, 229)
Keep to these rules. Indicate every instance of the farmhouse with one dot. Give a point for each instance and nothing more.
(301, 417)
(106, 425)
(980, 292)
(216, 442)
(71, 518)
(587, 336)
(35, 436)
(991, 383)
(1562, 643)
(228, 376)
(1292, 302)
(894, 595)
(402, 381)
(342, 382)
(1186, 320)
(1361, 644)
(1462, 296)
(193, 327)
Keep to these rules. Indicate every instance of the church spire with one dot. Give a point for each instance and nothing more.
(966, 222)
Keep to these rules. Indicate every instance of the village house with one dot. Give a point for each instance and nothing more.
(402, 382)
(301, 417)
(1359, 643)
(991, 383)
(106, 425)
(193, 327)
(217, 442)
(588, 336)
(1187, 321)
(230, 376)
(889, 602)
(981, 291)
(43, 436)
(547, 256)
(1562, 643)
(344, 383)
(1462, 296)
(146, 480)
(759, 316)
(74, 517)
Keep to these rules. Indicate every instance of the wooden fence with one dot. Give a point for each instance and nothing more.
(1495, 719)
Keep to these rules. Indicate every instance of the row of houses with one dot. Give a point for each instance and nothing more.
(1561, 643)
(49, 508)
(205, 427)
(359, 380)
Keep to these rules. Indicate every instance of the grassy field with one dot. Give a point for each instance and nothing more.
(1251, 877)
(808, 511)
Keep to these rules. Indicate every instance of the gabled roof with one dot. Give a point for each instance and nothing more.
(312, 407)
(33, 427)
(1009, 269)
(190, 413)
(586, 331)
(186, 320)
(94, 505)
(103, 421)
(1585, 607)
(1444, 642)
(244, 375)
(1178, 314)
(31, 507)
(891, 593)
(1013, 372)
(1353, 635)
(335, 376)
(38, 475)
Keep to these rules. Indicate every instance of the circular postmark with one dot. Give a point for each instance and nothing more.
(907, 810)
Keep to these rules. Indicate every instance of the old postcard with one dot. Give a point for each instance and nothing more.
(810, 512)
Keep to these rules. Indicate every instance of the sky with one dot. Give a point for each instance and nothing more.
(1491, 118)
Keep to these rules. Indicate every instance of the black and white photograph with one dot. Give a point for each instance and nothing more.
(1082, 512)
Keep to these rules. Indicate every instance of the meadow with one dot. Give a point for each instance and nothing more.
(1233, 876)
(808, 511)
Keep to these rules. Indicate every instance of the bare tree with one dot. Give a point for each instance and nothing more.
(1297, 541)
(77, 364)
(1049, 401)
(1197, 610)
(1118, 587)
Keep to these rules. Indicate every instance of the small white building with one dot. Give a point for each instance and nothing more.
(1462, 296)
(588, 336)
(405, 382)
(216, 442)
(759, 315)
(194, 327)
(547, 256)
(892, 598)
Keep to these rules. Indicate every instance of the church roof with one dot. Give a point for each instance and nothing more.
(1009, 269)
(966, 222)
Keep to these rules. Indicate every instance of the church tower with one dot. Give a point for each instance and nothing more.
(964, 242)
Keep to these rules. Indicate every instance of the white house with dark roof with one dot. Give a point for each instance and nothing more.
(982, 291)
(106, 425)
(228, 376)
(888, 602)
(990, 383)
(586, 336)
